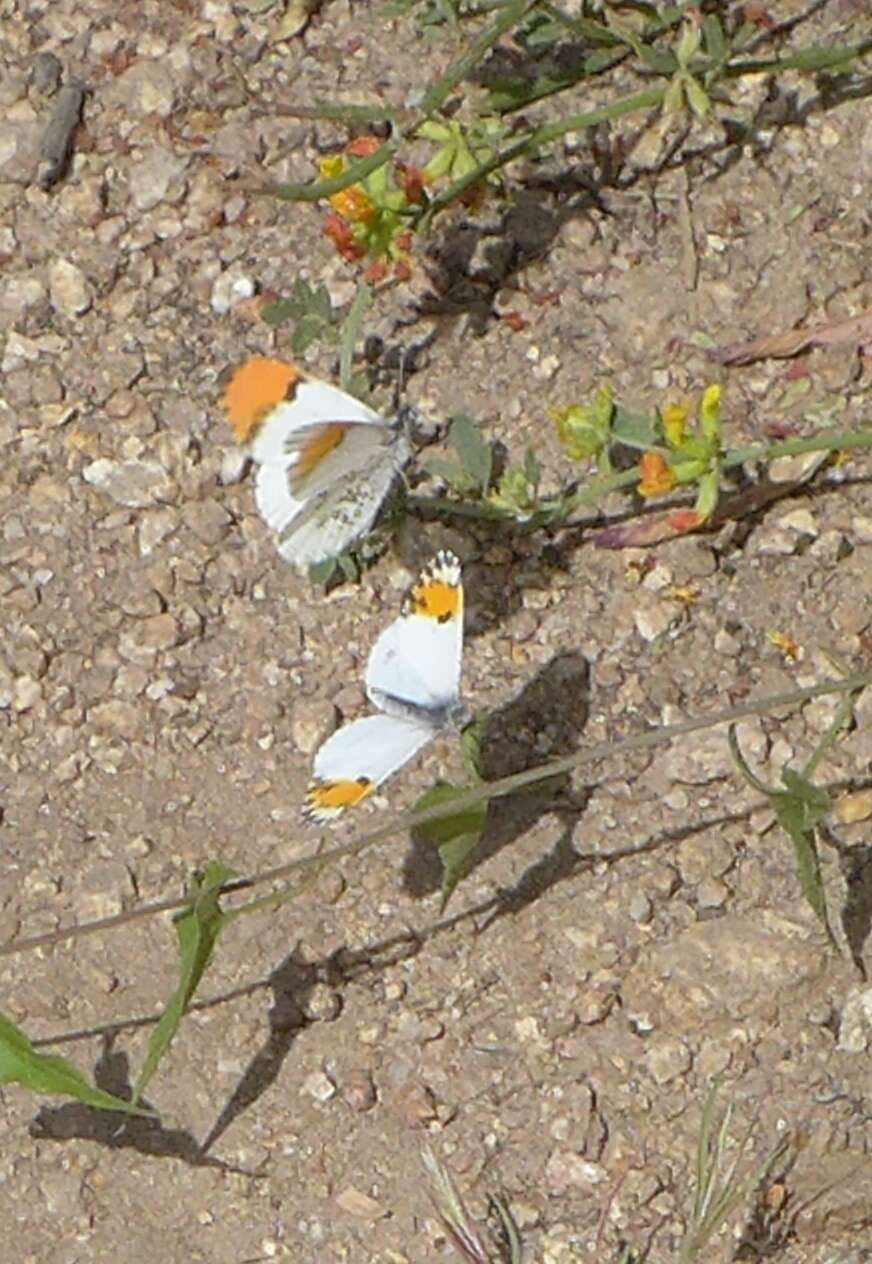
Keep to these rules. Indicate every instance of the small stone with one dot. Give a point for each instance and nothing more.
(69, 291)
(18, 294)
(727, 644)
(668, 1060)
(774, 541)
(7, 687)
(711, 893)
(136, 484)
(700, 858)
(855, 1022)
(160, 632)
(229, 289)
(358, 1091)
(233, 466)
(795, 469)
(567, 1170)
(357, 1204)
(851, 808)
(697, 758)
(862, 529)
(104, 890)
(26, 694)
(146, 87)
(323, 1004)
(653, 619)
(20, 142)
(595, 1005)
(155, 177)
(153, 528)
(802, 521)
(115, 716)
(208, 520)
(318, 1086)
(640, 908)
(312, 724)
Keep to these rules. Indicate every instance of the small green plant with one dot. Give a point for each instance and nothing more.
(724, 1180)
(688, 61)
(800, 807)
(310, 309)
(455, 835)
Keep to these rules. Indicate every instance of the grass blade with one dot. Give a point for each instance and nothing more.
(197, 927)
(351, 328)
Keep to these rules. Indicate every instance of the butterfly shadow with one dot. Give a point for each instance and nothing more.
(543, 722)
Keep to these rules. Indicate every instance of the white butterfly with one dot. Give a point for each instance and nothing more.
(413, 678)
(325, 462)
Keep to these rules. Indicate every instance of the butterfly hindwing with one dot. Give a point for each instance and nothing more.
(356, 759)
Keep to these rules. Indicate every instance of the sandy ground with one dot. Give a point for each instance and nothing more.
(165, 678)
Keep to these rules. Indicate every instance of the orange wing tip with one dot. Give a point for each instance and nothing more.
(255, 388)
(325, 800)
(437, 594)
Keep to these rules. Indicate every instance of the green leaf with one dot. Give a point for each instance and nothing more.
(454, 836)
(197, 927)
(713, 35)
(473, 450)
(470, 743)
(321, 572)
(673, 99)
(351, 328)
(532, 469)
(307, 330)
(49, 1073)
(707, 495)
(660, 61)
(799, 809)
(635, 430)
(585, 430)
(697, 97)
(349, 566)
(456, 478)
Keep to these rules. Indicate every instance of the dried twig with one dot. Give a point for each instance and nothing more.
(56, 144)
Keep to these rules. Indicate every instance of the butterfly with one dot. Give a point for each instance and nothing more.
(413, 679)
(325, 462)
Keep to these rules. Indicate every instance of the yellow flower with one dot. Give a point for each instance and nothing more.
(353, 204)
(710, 412)
(675, 423)
(332, 166)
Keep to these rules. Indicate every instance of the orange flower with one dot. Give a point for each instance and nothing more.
(657, 478)
(375, 271)
(412, 180)
(353, 204)
(362, 146)
(339, 232)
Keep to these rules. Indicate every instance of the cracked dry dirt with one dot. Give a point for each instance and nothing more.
(164, 678)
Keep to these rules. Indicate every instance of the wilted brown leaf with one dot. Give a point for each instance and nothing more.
(781, 346)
